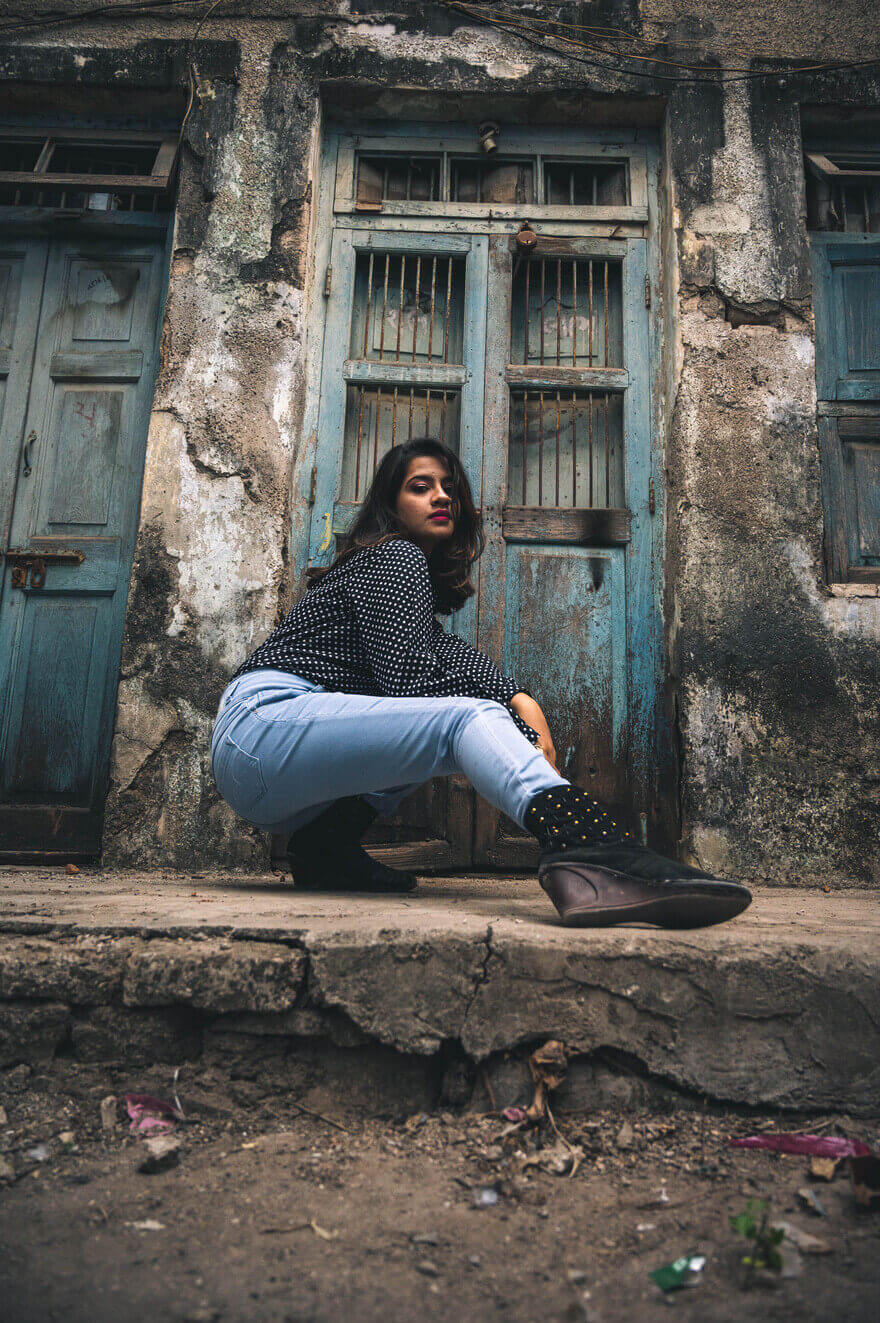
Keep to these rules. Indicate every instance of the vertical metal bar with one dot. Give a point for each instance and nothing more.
(443, 419)
(571, 185)
(557, 447)
(595, 187)
(607, 456)
(574, 460)
(428, 412)
(384, 309)
(369, 305)
(843, 204)
(394, 420)
(409, 180)
(376, 431)
(528, 311)
(542, 310)
(541, 429)
(385, 181)
(411, 399)
(357, 472)
(590, 399)
(605, 315)
(574, 322)
(448, 307)
(558, 310)
(865, 203)
(431, 322)
(400, 305)
(525, 399)
(416, 314)
(541, 463)
(590, 355)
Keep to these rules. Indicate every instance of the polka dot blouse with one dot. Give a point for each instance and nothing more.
(368, 627)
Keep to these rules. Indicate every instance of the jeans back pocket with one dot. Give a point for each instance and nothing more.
(240, 778)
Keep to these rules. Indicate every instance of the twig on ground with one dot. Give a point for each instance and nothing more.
(487, 1085)
(318, 1117)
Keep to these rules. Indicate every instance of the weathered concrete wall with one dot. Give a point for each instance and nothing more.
(773, 678)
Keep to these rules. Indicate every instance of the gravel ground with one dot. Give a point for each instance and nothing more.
(278, 1216)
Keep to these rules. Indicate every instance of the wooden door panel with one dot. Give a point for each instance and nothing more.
(847, 308)
(51, 733)
(75, 514)
(22, 267)
(567, 582)
(404, 353)
(565, 638)
(851, 370)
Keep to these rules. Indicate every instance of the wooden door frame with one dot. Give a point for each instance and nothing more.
(652, 760)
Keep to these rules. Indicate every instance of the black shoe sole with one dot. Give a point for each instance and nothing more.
(332, 886)
(676, 906)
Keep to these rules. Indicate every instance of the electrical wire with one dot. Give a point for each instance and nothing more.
(134, 8)
(190, 67)
(526, 29)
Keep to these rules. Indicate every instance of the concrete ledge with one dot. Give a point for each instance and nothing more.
(780, 1008)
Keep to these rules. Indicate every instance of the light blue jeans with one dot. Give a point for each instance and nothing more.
(284, 748)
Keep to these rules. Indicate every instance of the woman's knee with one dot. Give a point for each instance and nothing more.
(464, 711)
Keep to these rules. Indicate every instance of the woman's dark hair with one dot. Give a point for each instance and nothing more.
(376, 521)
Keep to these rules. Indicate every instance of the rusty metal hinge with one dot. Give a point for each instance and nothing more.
(313, 484)
(328, 281)
(647, 291)
(652, 504)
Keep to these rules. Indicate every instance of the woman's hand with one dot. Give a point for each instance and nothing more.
(525, 706)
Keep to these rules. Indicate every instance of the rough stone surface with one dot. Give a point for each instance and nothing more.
(31, 1031)
(84, 970)
(772, 674)
(779, 1008)
(241, 976)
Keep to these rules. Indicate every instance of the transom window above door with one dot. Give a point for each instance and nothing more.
(452, 174)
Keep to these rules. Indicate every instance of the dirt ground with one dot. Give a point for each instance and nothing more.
(275, 1216)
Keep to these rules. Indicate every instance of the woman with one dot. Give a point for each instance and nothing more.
(360, 695)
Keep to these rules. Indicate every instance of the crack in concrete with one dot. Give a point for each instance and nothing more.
(480, 980)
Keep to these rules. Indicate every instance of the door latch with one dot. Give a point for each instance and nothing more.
(36, 568)
(30, 442)
(29, 566)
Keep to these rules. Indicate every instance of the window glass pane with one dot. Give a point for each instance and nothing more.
(398, 179)
(567, 312)
(479, 180)
(377, 418)
(408, 308)
(586, 184)
(565, 449)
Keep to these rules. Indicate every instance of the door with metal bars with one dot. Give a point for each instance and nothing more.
(529, 353)
(565, 458)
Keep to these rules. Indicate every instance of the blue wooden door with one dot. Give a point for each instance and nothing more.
(80, 323)
(539, 369)
(404, 356)
(847, 305)
(568, 580)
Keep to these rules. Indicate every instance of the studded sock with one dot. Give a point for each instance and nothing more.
(564, 817)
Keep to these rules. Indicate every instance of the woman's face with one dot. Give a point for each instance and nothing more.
(424, 503)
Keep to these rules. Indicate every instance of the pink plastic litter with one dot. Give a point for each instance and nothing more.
(814, 1146)
(148, 1113)
(514, 1114)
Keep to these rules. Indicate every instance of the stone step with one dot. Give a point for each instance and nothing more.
(439, 996)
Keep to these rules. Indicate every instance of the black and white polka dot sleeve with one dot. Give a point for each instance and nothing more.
(406, 650)
(461, 657)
